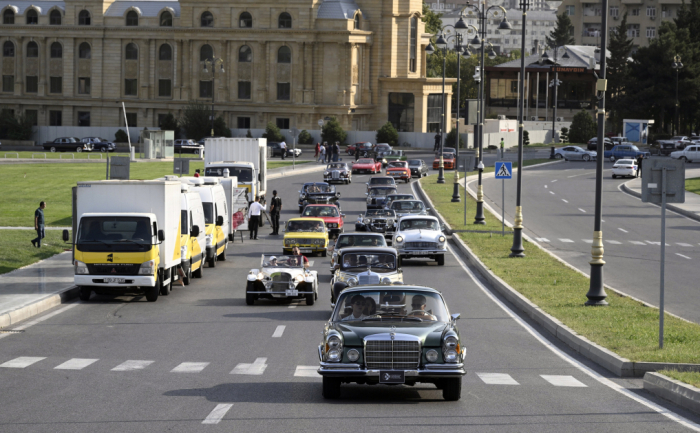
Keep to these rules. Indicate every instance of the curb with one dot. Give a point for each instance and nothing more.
(682, 394)
(28, 311)
(674, 208)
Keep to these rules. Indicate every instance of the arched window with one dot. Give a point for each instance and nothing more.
(245, 54)
(132, 18)
(165, 52)
(207, 19)
(84, 51)
(166, 19)
(32, 17)
(32, 49)
(8, 49)
(55, 18)
(245, 21)
(56, 50)
(356, 24)
(206, 52)
(285, 21)
(284, 55)
(8, 17)
(131, 52)
(84, 18)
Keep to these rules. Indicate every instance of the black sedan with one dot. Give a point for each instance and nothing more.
(277, 150)
(100, 144)
(188, 146)
(418, 168)
(70, 144)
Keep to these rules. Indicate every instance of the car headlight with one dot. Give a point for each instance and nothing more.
(287, 242)
(399, 239)
(431, 355)
(353, 355)
(386, 281)
(352, 282)
(383, 161)
(81, 268)
(210, 239)
(147, 268)
(325, 173)
(183, 251)
(299, 278)
(334, 349)
(450, 349)
(441, 239)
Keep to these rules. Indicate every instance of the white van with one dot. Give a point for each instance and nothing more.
(216, 215)
(192, 234)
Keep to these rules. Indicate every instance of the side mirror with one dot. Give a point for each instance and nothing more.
(455, 317)
(195, 231)
(442, 227)
(161, 235)
(220, 220)
(66, 236)
(336, 266)
(260, 177)
(342, 215)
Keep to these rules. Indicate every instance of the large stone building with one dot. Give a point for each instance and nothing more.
(292, 62)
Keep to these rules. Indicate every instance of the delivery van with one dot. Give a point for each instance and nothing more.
(216, 215)
(192, 236)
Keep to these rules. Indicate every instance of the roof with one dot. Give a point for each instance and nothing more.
(408, 217)
(43, 7)
(338, 10)
(579, 56)
(306, 219)
(387, 288)
(145, 8)
(362, 234)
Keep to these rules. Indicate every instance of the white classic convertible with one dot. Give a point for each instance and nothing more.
(420, 236)
(281, 277)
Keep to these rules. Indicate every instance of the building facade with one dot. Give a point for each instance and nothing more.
(291, 62)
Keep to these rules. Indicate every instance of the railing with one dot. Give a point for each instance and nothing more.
(89, 155)
(38, 154)
(12, 153)
(60, 155)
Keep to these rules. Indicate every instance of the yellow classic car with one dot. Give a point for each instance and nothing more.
(309, 234)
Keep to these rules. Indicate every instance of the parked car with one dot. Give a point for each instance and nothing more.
(380, 334)
(376, 197)
(689, 154)
(360, 266)
(618, 140)
(188, 146)
(408, 207)
(317, 193)
(277, 150)
(448, 161)
(399, 170)
(625, 151)
(350, 240)
(67, 144)
(394, 155)
(573, 153)
(662, 149)
(380, 181)
(309, 234)
(330, 214)
(100, 144)
(418, 168)
(593, 143)
(365, 148)
(337, 172)
(420, 236)
(282, 277)
(377, 221)
(624, 168)
(366, 165)
(679, 141)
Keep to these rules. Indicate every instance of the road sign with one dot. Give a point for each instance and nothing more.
(504, 170)
(652, 182)
(320, 122)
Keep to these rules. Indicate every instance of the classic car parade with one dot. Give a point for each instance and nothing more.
(392, 335)
(100, 144)
(329, 213)
(317, 193)
(348, 240)
(282, 277)
(366, 165)
(448, 161)
(399, 170)
(392, 197)
(418, 168)
(408, 207)
(359, 266)
(337, 172)
(420, 236)
(184, 145)
(377, 221)
(376, 197)
(380, 181)
(309, 234)
(394, 155)
(381, 150)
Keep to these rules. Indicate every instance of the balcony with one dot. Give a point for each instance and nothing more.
(633, 2)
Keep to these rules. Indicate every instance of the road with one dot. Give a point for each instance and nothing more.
(558, 208)
(201, 360)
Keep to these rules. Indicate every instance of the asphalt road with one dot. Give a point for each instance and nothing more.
(558, 207)
(121, 364)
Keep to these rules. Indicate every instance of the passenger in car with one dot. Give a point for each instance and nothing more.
(358, 305)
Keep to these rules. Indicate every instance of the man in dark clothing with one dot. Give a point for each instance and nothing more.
(329, 152)
(640, 158)
(357, 151)
(336, 151)
(275, 209)
(39, 224)
(437, 142)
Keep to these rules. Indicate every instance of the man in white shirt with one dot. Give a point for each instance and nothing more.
(283, 146)
(254, 214)
(358, 305)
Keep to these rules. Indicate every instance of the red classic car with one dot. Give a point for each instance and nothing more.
(367, 165)
(398, 170)
(448, 160)
(365, 146)
(329, 213)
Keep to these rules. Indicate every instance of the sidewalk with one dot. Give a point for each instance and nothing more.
(691, 207)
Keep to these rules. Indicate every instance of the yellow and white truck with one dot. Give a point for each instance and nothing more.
(192, 234)
(245, 159)
(216, 216)
(128, 237)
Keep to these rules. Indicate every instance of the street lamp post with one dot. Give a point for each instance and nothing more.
(555, 87)
(213, 63)
(677, 65)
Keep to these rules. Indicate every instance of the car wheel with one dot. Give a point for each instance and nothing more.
(249, 299)
(187, 279)
(451, 389)
(196, 151)
(683, 158)
(222, 256)
(152, 292)
(103, 149)
(212, 262)
(612, 159)
(53, 149)
(85, 293)
(331, 388)
(78, 149)
(440, 260)
(558, 156)
(310, 299)
(198, 272)
(586, 158)
(323, 253)
(614, 176)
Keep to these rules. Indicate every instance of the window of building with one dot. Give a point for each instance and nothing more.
(131, 119)
(84, 51)
(55, 84)
(206, 89)
(206, 52)
(166, 19)
(614, 11)
(55, 118)
(401, 111)
(161, 119)
(83, 118)
(207, 19)
(414, 45)
(84, 85)
(32, 116)
(570, 10)
(8, 83)
(356, 22)
(651, 11)
(434, 121)
(634, 12)
(245, 54)
(8, 17)
(8, 49)
(244, 90)
(55, 18)
(285, 21)
(165, 88)
(132, 18)
(84, 18)
(507, 41)
(165, 52)
(131, 87)
(284, 55)
(56, 50)
(651, 32)
(31, 84)
(632, 30)
(283, 91)
(32, 17)
(282, 122)
(245, 20)
(131, 52)
(243, 123)
(32, 49)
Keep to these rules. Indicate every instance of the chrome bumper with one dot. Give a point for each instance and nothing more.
(278, 293)
(404, 252)
(129, 281)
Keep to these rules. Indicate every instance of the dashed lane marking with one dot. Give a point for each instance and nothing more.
(637, 243)
(565, 201)
(132, 365)
(497, 379)
(614, 242)
(685, 257)
(307, 371)
(656, 243)
(542, 239)
(190, 367)
(546, 186)
(216, 415)
(567, 241)
(257, 368)
(588, 241)
(554, 180)
(22, 362)
(76, 364)
(563, 381)
(683, 244)
(551, 192)
(582, 210)
(279, 331)
(292, 306)
(622, 230)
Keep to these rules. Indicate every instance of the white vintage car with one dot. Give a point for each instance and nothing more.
(420, 236)
(282, 277)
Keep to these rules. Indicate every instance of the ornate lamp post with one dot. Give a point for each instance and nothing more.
(555, 85)
(677, 65)
(214, 62)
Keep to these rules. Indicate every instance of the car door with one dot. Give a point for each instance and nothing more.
(567, 152)
(693, 153)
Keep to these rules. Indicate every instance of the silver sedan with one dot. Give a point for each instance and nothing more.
(571, 153)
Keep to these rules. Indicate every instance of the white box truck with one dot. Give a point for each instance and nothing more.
(245, 158)
(128, 237)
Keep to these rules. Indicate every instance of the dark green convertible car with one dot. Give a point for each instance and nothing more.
(392, 335)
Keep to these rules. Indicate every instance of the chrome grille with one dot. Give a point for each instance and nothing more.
(297, 241)
(422, 245)
(368, 279)
(395, 355)
(335, 174)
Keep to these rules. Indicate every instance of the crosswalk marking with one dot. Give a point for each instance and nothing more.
(637, 243)
(132, 365)
(279, 331)
(497, 379)
(683, 245)
(554, 180)
(588, 241)
(217, 414)
(565, 201)
(622, 230)
(306, 371)
(563, 381)
(657, 243)
(76, 364)
(551, 192)
(567, 240)
(546, 186)
(256, 368)
(22, 362)
(614, 242)
(685, 257)
(582, 210)
(190, 367)
(542, 239)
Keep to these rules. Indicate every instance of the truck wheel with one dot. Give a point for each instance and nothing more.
(440, 260)
(152, 292)
(310, 299)
(331, 388)
(222, 256)
(187, 279)
(212, 262)
(198, 272)
(166, 288)
(451, 389)
(249, 299)
(85, 293)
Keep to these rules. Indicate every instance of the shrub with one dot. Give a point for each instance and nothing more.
(272, 133)
(388, 134)
(564, 135)
(332, 132)
(121, 137)
(450, 139)
(15, 127)
(583, 127)
(305, 137)
(170, 123)
(526, 138)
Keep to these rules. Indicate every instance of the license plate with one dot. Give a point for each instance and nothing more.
(391, 376)
(114, 280)
(294, 292)
(306, 250)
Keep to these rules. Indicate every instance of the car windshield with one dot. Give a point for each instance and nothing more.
(336, 165)
(378, 262)
(419, 224)
(321, 211)
(395, 153)
(270, 261)
(414, 162)
(244, 174)
(382, 181)
(447, 156)
(395, 164)
(319, 188)
(365, 161)
(635, 148)
(407, 205)
(305, 226)
(391, 306)
(382, 191)
(379, 212)
(383, 147)
(360, 241)
(133, 233)
(401, 197)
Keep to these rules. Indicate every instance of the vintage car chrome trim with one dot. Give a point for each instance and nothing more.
(454, 370)
(279, 293)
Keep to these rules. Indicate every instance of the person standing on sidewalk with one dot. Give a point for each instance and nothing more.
(437, 142)
(254, 213)
(275, 209)
(39, 224)
(336, 151)
(640, 158)
(321, 154)
(357, 152)
(283, 146)
(318, 149)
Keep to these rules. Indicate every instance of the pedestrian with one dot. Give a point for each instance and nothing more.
(283, 147)
(503, 145)
(329, 152)
(437, 142)
(39, 224)
(321, 154)
(357, 151)
(318, 149)
(275, 209)
(254, 213)
(640, 158)
(336, 151)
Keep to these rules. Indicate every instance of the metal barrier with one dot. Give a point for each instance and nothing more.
(38, 154)
(60, 155)
(89, 155)
(12, 153)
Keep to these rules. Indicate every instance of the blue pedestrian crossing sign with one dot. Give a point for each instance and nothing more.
(504, 170)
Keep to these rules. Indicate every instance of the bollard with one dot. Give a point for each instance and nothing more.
(551, 155)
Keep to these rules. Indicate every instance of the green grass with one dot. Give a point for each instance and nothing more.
(693, 378)
(693, 185)
(67, 155)
(16, 249)
(625, 326)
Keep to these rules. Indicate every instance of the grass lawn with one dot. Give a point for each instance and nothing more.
(16, 249)
(690, 377)
(693, 185)
(625, 326)
(73, 155)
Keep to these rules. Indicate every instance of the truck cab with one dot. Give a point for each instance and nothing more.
(216, 216)
(192, 234)
(247, 176)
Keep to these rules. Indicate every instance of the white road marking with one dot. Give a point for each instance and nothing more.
(613, 242)
(307, 371)
(563, 381)
(657, 243)
(39, 320)
(588, 241)
(683, 245)
(582, 210)
(542, 239)
(22, 362)
(190, 367)
(565, 201)
(256, 368)
(551, 192)
(637, 243)
(622, 230)
(292, 306)
(497, 379)
(546, 186)
(685, 257)
(554, 180)
(76, 364)
(279, 331)
(569, 241)
(217, 414)
(132, 365)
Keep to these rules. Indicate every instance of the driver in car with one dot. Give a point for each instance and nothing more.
(350, 261)
(358, 305)
(273, 262)
(418, 308)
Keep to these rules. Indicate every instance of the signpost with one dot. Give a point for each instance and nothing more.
(181, 166)
(504, 170)
(465, 161)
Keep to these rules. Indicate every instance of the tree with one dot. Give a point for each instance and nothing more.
(388, 134)
(196, 122)
(170, 123)
(564, 135)
(583, 127)
(121, 137)
(432, 21)
(620, 47)
(272, 133)
(561, 35)
(305, 137)
(526, 138)
(15, 127)
(220, 128)
(249, 134)
(332, 132)
(450, 139)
